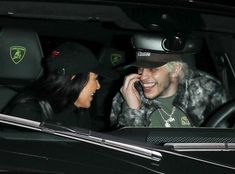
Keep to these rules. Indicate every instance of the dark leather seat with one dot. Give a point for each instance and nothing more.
(20, 61)
(110, 58)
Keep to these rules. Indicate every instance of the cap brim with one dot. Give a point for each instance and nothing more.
(153, 60)
(106, 73)
(145, 64)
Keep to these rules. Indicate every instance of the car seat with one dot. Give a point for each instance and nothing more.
(110, 58)
(20, 61)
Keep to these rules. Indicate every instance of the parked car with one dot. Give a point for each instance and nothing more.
(202, 30)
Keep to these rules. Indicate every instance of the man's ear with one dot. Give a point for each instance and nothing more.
(176, 70)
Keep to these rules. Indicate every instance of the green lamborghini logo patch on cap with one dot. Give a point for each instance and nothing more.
(17, 53)
(116, 59)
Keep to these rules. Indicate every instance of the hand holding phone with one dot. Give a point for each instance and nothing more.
(129, 92)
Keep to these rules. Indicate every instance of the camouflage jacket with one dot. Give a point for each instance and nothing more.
(197, 98)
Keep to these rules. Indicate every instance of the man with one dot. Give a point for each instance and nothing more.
(165, 93)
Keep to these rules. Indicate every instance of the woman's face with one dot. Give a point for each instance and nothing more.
(87, 93)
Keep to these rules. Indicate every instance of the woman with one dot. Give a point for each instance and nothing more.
(66, 90)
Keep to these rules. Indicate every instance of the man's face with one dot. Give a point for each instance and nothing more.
(155, 81)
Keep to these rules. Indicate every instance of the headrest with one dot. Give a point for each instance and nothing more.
(20, 55)
(111, 59)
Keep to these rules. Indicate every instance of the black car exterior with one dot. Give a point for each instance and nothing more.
(50, 149)
(32, 147)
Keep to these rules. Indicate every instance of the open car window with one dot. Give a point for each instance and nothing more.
(113, 32)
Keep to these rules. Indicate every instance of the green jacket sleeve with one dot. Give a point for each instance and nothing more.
(122, 115)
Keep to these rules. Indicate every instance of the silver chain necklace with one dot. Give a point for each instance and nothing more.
(170, 119)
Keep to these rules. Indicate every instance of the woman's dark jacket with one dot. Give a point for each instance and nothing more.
(34, 109)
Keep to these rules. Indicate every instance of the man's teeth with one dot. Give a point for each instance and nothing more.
(92, 94)
(148, 85)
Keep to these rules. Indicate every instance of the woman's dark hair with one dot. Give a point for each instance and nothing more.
(59, 90)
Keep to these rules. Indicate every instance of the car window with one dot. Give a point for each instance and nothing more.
(204, 47)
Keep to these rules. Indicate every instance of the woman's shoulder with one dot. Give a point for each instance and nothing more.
(25, 106)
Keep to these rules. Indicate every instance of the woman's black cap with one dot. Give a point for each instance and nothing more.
(73, 58)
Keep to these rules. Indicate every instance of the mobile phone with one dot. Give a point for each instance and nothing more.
(137, 84)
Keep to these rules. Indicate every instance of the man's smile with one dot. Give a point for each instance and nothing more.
(148, 86)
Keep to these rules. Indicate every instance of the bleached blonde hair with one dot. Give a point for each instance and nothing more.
(184, 69)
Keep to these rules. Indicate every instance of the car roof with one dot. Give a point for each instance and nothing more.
(120, 17)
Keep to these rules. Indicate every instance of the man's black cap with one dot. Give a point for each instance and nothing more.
(153, 59)
(72, 58)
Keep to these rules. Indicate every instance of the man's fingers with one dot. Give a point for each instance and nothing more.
(129, 80)
(131, 83)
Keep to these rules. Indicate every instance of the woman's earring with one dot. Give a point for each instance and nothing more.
(73, 76)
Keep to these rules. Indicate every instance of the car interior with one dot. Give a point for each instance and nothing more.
(114, 40)
(14, 74)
